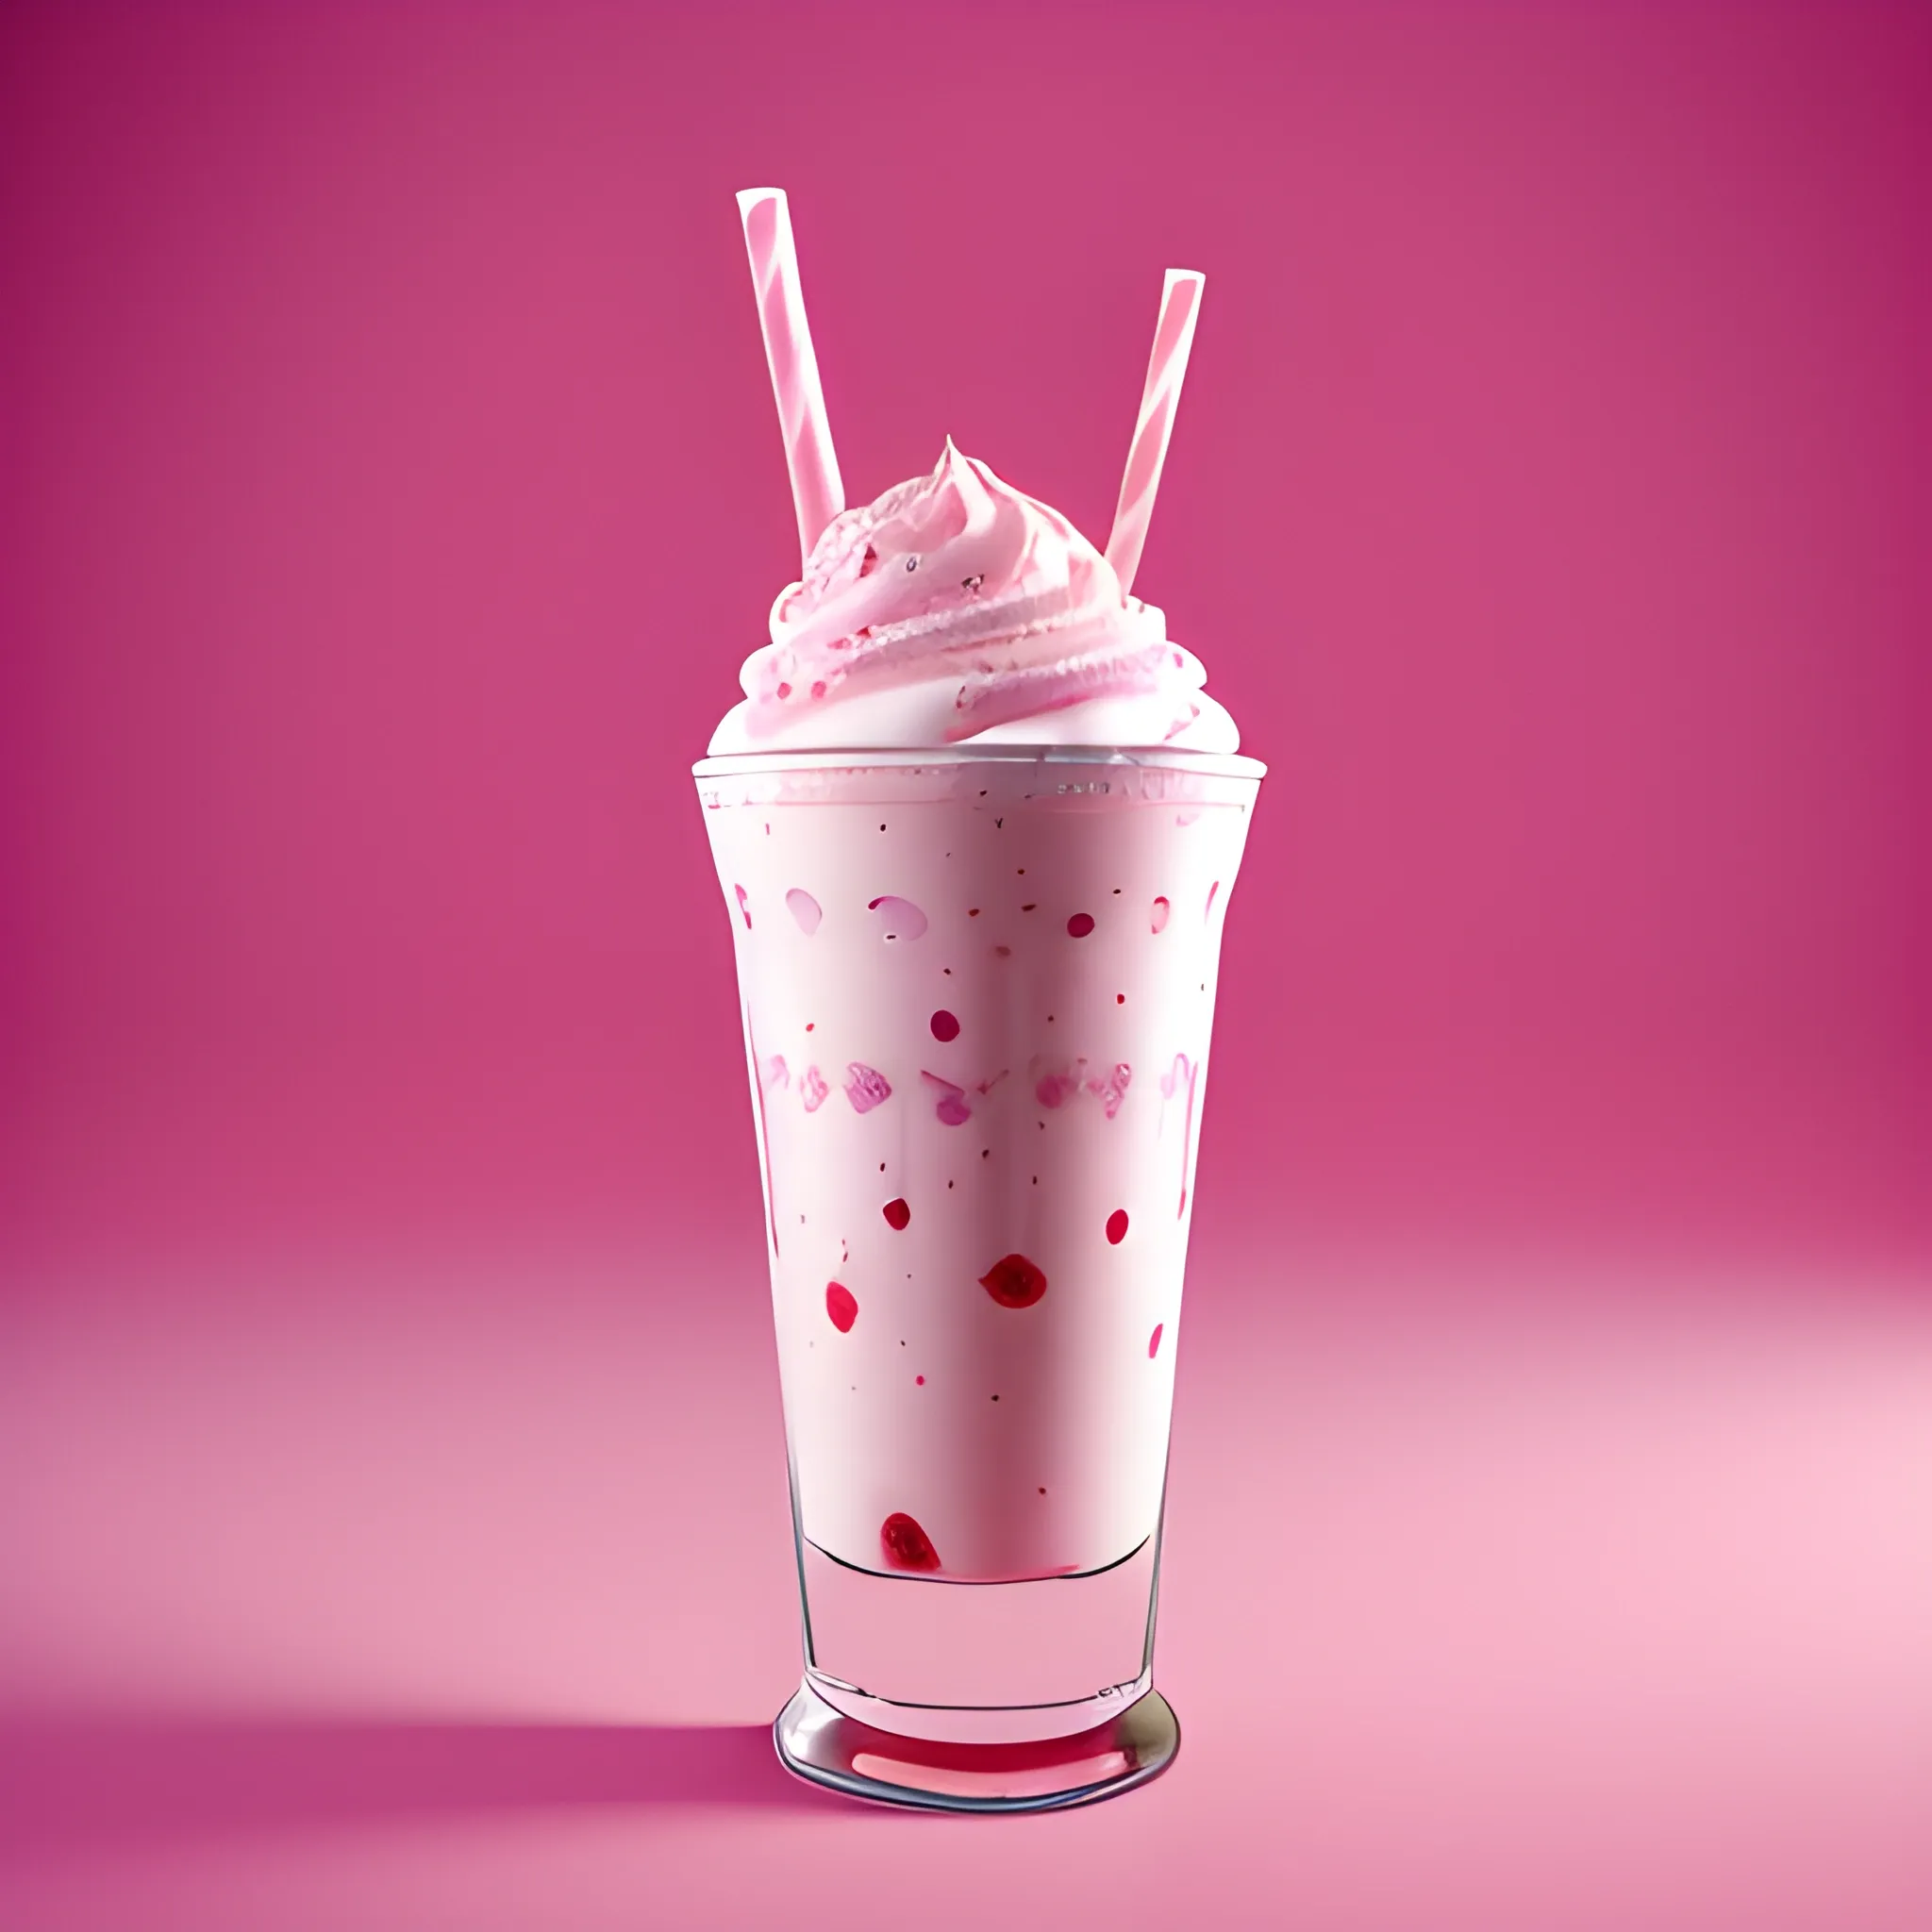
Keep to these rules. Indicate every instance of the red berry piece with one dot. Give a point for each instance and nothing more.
(906, 1545)
(1080, 926)
(743, 905)
(841, 1305)
(1014, 1282)
(1161, 909)
(897, 1215)
(1154, 1340)
(1117, 1226)
(944, 1026)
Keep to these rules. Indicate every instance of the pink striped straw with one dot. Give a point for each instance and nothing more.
(1174, 336)
(817, 494)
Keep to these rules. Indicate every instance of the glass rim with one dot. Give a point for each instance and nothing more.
(860, 758)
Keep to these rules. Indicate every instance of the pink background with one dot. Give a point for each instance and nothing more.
(391, 1503)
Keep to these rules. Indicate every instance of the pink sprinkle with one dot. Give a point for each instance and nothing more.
(812, 1089)
(1117, 1226)
(944, 1026)
(1186, 817)
(743, 905)
(818, 689)
(805, 909)
(784, 691)
(1212, 891)
(1154, 1340)
(1080, 926)
(776, 1074)
(865, 1086)
(1161, 909)
(842, 1305)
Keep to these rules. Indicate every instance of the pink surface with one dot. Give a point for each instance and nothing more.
(392, 1513)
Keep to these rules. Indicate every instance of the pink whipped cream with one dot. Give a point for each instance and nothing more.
(955, 608)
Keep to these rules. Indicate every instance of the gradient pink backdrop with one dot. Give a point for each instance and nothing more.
(391, 1508)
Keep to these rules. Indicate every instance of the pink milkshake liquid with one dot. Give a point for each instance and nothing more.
(978, 991)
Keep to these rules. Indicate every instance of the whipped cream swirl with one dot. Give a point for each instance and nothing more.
(955, 608)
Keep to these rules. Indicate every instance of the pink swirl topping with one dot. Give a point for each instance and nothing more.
(956, 608)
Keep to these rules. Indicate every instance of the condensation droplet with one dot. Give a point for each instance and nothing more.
(899, 919)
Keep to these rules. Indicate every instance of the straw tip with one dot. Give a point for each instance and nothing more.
(1176, 276)
(748, 198)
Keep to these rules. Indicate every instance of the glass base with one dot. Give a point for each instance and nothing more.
(828, 1748)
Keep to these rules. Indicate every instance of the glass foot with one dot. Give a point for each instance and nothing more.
(831, 1749)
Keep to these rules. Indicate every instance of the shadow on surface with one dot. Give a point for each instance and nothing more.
(71, 1784)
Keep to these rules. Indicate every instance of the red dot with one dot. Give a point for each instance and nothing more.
(1014, 1282)
(842, 1305)
(1117, 1226)
(897, 1214)
(920, 1380)
(907, 1546)
(1154, 1340)
(784, 691)
(1080, 924)
(944, 1026)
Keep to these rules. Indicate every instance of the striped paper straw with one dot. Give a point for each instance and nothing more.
(817, 494)
(1174, 336)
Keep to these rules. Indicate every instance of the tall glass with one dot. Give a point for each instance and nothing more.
(978, 988)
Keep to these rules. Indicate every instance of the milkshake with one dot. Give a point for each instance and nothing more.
(976, 823)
